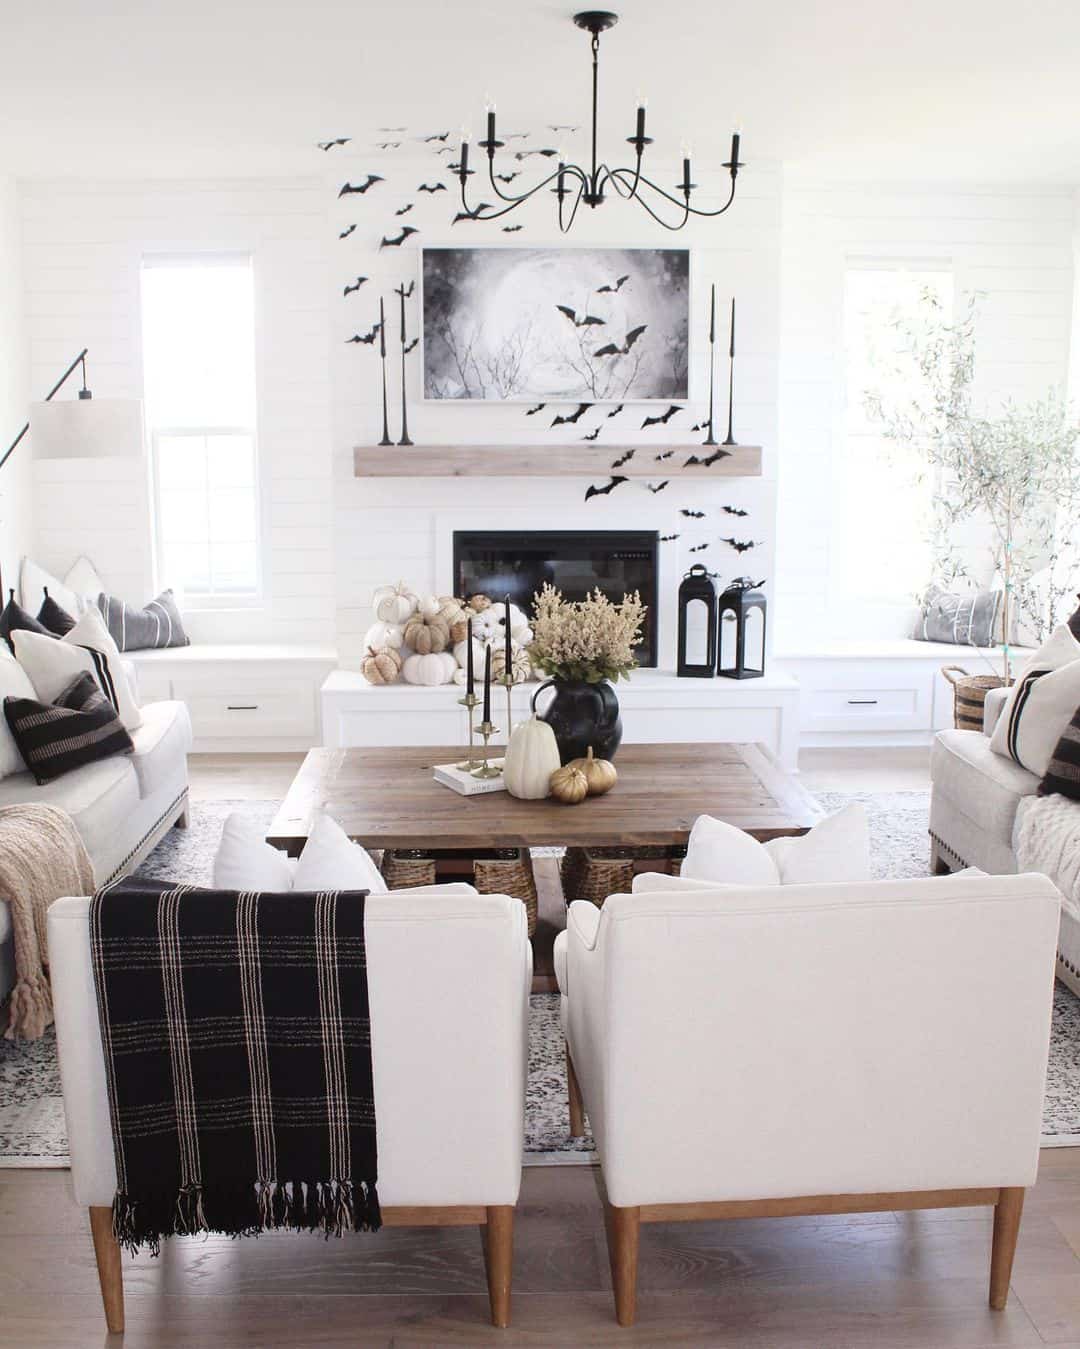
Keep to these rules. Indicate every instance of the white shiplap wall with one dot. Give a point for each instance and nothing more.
(16, 484)
(1012, 245)
(84, 246)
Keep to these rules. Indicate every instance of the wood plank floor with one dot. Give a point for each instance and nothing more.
(883, 1281)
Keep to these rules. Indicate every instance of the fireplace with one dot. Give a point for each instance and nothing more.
(509, 562)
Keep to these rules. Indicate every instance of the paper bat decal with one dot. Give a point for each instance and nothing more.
(709, 459)
(438, 136)
(471, 215)
(508, 177)
(606, 490)
(624, 459)
(432, 187)
(592, 436)
(586, 321)
(664, 454)
(388, 145)
(346, 232)
(350, 189)
(699, 548)
(663, 418)
(411, 345)
(614, 290)
(692, 515)
(733, 510)
(557, 129)
(366, 338)
(740, 545)
(512, 229)
(615, 411)
(657, 487)
(613, 349)
(516, 135)
(405, 291)
(668, 538)
(533, 411)
(572, 417)
(354, 285)
(524, 154)
(329, 145)
(404, 210)
(700, 426)
(398, 239)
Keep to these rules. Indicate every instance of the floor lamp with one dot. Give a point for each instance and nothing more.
(82, 428)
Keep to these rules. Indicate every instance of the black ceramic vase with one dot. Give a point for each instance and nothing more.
(582, 715)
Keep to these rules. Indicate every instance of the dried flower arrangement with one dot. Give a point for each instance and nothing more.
(590, 639)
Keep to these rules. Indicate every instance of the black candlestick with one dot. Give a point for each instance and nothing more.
(710, 439)
(508, 657)
(400, 290)
(386, 438)
(469, 663)
(487, 684)
(731, 381)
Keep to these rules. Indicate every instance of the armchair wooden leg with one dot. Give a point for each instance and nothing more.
(623, 1230)
(498, 1236)
(110, 1275)
(1007, 1211)
(577, 1106)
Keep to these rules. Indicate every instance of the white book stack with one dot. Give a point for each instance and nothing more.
(458, 780)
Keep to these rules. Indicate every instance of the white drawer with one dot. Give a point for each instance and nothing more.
(843, 709)
(250, 713)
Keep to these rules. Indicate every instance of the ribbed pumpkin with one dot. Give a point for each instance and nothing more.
(521, 665)
(382, 635)
(394, 604)
(531, 757)
(381, 667)
(600, 774)
(436, 668)
(426, 636)
(568, 785)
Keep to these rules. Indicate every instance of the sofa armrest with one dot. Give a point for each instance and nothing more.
(992, 707)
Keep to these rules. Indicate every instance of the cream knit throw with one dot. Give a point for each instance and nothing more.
(42, 858)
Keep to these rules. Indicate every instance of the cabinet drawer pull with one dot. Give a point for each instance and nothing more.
(862, 702)
(242, 707)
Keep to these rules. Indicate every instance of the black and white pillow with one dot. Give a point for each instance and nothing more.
(1040, 704)
(1063, 772)
(156, 624)
(52, 663)
(14, 618)
(51, 616)
(960, 620)
(79, 727)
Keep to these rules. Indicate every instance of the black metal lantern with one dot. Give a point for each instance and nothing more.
(741, 653)
(697, 624)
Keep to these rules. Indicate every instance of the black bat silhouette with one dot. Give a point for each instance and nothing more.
(613, 349)
(516, 135)
(560, 420)
(446, 150)
(329, 145)
(346, 232)
(387, 145)
(615, 411)
(454, 167)
(624, 459)
(366, 338)
(473, 214)
(512, 229)
(557, 129)
(396, 242)
(571, 314)
(699, 548)
(614, 290)
(740, 545)
(733, 510)
(432, 187)
(663, 418)
(594, 491)
(439, 136)
(524, 154)
(350, 189)
(411, 345)
(508, 177)
(692, 515)
(533, 411)
(592, 435)
(664, 454)
(659, 487)
(667, 538)
(404, 210)
(405, 291)
(355, 286)
(709, 460)
(700, 426)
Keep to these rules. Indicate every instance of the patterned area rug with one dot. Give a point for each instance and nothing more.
(32, 1130)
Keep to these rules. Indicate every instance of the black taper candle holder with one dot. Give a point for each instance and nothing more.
(386, 438)
(400, 290)
(731, 381)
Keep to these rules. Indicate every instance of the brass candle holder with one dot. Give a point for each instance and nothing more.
(470, 702)
(507, 681)
(487, 769)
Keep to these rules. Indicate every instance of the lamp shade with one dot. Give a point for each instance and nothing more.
(87, 428)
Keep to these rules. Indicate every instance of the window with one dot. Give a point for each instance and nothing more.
(198, 317)
(886, 491)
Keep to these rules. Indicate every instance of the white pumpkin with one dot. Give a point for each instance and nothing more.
(430, 606)
(394, 604)
(461, 655)
(531, 757)
(384, 636)
(485, 625)
(436, 668)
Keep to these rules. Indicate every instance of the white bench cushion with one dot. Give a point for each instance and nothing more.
(160, 743)
(983, 785)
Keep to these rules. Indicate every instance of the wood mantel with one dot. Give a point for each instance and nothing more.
(550, 461)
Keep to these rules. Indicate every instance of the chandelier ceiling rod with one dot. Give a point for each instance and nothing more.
(588, 185)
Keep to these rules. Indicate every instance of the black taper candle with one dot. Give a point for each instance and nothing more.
(404, 412)
(640, 133)
(731, 381)
(487, 684)
(491, 133)
(469, 664)
(710, 439)
(734, 153)
(386, 437)
(508, 658)
(463, 161)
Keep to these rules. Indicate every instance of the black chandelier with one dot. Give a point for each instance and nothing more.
(588, 185)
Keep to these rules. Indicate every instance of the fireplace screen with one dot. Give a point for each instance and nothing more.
(499, 563)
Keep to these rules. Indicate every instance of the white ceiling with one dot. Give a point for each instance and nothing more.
(965, 89)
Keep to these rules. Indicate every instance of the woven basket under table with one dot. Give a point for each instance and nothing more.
(403, 868)
(510, 875)
(969, 696)
(594, 873)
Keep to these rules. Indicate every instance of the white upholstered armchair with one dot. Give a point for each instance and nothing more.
(811, 1049)
(448, 1055)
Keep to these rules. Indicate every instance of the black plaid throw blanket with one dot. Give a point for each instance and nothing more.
(238, 1057)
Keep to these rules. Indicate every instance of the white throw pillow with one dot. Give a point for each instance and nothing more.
(245, 861)
(837, 849)
(52, 663)
(720, 853)
(75, 593)
(1041, 704)
(14, 683)
(332, 861)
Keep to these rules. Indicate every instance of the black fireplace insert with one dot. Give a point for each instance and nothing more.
(508, 562)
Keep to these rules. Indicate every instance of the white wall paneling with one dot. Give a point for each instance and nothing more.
(16, 481)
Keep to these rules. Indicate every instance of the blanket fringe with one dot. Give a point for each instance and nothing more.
(332, 1207)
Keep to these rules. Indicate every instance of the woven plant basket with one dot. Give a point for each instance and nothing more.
(509, 876)
(404, 869)
(969, 696)
(595, 873)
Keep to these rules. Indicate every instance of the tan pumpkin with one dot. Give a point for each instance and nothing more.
(426, 636)
(381, 667)
(454, 616)
(600, 774)
(520, 664)
(568, 785)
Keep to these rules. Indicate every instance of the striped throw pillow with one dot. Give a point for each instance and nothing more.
(79, 727)
(1063, 771)
(157, 624)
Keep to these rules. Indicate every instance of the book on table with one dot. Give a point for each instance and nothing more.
(464, 783)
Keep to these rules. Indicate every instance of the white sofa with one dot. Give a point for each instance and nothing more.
(812, 1049)
(449, 1059)
(976, 809)
(121, 806)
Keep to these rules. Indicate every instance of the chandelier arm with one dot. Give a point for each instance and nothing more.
(617, 173)
(494, 215)
(682, 205)
(565, 229)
